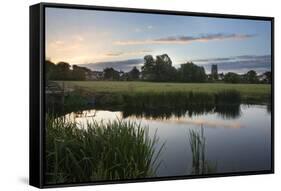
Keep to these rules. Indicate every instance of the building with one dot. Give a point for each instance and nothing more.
(214, 71)
(94, 75)
(220, 76)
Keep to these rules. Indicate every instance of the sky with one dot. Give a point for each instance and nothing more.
(100, 39)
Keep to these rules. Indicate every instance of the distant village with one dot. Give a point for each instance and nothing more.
(159, 69)
(214, 75)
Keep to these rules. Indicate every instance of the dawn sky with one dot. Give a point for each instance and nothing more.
(99, 39)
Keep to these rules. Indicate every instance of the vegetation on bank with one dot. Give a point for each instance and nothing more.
(113, 91)
(98, 151)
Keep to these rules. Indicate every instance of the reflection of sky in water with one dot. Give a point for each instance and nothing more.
(233, 145)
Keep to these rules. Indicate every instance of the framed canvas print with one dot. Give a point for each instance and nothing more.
(127, 95)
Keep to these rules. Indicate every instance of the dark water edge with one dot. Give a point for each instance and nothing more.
(155, 105)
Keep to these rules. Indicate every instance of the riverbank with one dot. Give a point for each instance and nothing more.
(250, 93)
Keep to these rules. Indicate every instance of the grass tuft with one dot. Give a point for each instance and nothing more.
(200, 165)
(98, 151)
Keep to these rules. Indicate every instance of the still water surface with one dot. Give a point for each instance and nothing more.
(233, 143)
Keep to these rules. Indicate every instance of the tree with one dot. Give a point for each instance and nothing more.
(148, 68)
(134, 74)
(267, 77)
(63, 71)
(231, 77)
(111, 74)
(79, 73)
(160, 69)
(50, 70)
(251, 77)
(164, 71)
(190, 72)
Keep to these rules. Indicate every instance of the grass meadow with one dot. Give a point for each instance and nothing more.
(248, 92)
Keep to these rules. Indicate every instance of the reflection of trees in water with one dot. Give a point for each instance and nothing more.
(268, 108)
(160, 113)
(226, 111)
(150, 105)
(200, 165)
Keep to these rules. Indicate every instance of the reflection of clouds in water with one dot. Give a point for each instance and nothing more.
(188, 121)
(207, 123)
(87, 116)
(104, 116)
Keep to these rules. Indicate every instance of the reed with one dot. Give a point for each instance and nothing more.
(228, 97)
(200, 165)
(98, 151)
(154, 100)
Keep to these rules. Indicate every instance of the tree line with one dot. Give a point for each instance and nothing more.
(158, 69)
(63, 71)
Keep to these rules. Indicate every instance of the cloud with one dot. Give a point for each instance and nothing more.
(143, 29)
(232, 58)
(239, 64)
(186, 39)
(138, 30)
(128, 53)
(114, 53)
(78, 38)
(211, 59)
(72, 44)
(124, 65)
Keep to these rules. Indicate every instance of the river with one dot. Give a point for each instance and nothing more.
(235, 141)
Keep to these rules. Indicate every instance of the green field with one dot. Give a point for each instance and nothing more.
(255, 91)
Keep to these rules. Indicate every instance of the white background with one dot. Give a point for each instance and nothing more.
(14, 70)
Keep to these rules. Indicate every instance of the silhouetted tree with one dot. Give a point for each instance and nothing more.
(160, 69)
(79, 73)
(148, 68)
(267, 77)
(190, 72)
(231, 77)
(50, 70)
(251, 77)
(134, 74)
(164, 71)
(63, 71)
(111, 74)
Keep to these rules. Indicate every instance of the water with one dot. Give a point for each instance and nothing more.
(236, 141)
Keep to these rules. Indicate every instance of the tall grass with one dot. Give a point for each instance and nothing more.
(228, 97)
(200, 165)
(250, 93)
(98, 151)
(154, 100)
(59, 104)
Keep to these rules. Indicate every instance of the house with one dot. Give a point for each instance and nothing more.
(220, 76)
(94, 75)
(263, 78)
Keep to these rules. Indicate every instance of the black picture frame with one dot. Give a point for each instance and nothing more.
(37, 96)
